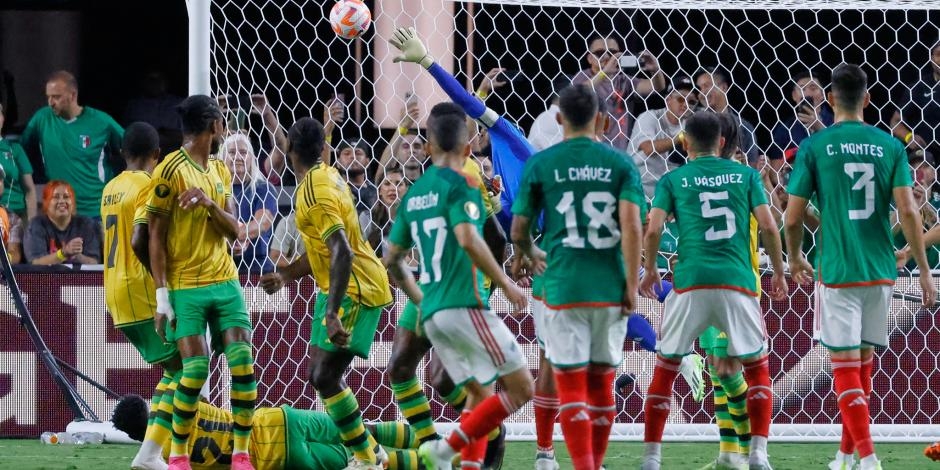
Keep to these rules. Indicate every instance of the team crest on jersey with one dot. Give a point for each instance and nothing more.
(86, 141)
(472, 210)
(218, 187)
(162, 190)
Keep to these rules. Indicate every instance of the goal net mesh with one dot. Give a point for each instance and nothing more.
(286, 51)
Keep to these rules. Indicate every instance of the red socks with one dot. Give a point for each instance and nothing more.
(659, 399)
(760, 396)
(601, 408)
(575, 420)
(546, 410)
(865, 372)
(471, 456)
(853, 404)
(478, 423)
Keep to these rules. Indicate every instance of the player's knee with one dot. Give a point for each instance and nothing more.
(399, 370)
(324, 380)
(522, 387)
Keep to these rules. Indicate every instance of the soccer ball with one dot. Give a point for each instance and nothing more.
(350, 18)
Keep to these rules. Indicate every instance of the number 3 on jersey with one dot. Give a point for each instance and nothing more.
(597, 219)
(866, 183)
(435, 229)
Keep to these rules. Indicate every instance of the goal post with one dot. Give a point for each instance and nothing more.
(286, 50)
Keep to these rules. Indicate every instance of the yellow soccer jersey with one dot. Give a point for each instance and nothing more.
(197, 254)
(475, 173)
(210, 444)
(128, 287)
(323, 206)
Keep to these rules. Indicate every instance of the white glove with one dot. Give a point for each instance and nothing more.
(407, 41)
(163, 304)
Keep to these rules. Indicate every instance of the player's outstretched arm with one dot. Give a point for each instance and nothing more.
(770, 236)
(631, 236)
(800, 269)
(273, 282)
(911, 225)
(395, 263)
(480, 254)
(652, 281)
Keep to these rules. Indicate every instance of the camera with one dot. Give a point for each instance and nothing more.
(630, 64)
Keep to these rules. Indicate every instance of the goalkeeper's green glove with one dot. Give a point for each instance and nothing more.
(407, 41)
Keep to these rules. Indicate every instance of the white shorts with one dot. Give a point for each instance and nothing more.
(846, 317)
(686, 315)
(586, 335)
(538, 319)
(473, 344)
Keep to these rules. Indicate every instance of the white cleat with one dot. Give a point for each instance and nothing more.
(546, 461)
(435, 456)
(356, 464)
(759, 464)
(651, 463)
(151, 462)
(846, 462)
(691, 368)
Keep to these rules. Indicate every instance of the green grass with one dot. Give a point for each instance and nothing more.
(34, 455)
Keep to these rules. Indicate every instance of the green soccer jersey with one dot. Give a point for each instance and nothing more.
(852, 169)
(76, 151)
(15, 165)
(712, 200)
(438, 202)
(577, 185)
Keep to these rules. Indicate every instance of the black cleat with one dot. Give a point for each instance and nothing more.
(495, 451)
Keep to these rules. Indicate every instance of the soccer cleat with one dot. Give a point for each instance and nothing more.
(846, 463)
(152, 463)
(727, 462)
(691, 368)
(650, 463)
(241, 461)
(356, 464)
(932, 452)
(869, 463)
(433, 456)
(381, 456)
(495, 451)
(545, 461)
(759, 464)
(180, 462)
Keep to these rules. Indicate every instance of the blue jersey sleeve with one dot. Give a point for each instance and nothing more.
(470, 104)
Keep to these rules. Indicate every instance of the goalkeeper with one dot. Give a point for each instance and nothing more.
(281, 438)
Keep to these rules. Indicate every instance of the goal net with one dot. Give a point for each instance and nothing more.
(771, 60)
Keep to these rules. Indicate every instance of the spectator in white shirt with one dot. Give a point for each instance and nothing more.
(545, 130)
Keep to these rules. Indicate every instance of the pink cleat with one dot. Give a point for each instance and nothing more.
(180, 462)
(241, 461)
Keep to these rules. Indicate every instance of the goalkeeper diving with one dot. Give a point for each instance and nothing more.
(281, 438)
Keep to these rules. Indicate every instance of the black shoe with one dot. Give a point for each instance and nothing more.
(495, 451)
(624, 381)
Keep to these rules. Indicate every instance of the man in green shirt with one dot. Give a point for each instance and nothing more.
(853, 170)
(75, 143)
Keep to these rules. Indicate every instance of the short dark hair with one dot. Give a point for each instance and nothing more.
(306, 139)
(702, 130)
(198, 113)
(447, 127)
(130, 415)
(63, 76)
(849, 85)
(355, 144)
(578, 105)
(140, 140)
(730, 131)
(718, 74)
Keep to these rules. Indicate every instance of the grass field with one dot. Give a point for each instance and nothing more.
(34, 455)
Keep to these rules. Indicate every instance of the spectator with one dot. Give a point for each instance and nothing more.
(75, 144)
(613, 85)
(20, 195)
(407, 145)
(713, 84)
(917, 120)
(811, 114)
(286, 243)
(546, 130)
(60, 235)
(656, 142)
(392, 189)
(928, 214)
(271, 157)
(157, 107)
(926, 175)
(256, 202)
(352, 161)
(13, 255)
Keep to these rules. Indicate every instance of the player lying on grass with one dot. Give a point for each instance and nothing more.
(281, 438)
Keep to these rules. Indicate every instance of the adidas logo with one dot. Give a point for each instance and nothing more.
(581, 416)
(860, 400)
(602, 421)
(760, 395)
(662, 406)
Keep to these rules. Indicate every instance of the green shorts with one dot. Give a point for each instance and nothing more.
(220, 305)
(714, 342)
(150, 346)
(359, 321)
(313, 441)
(410, 317)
